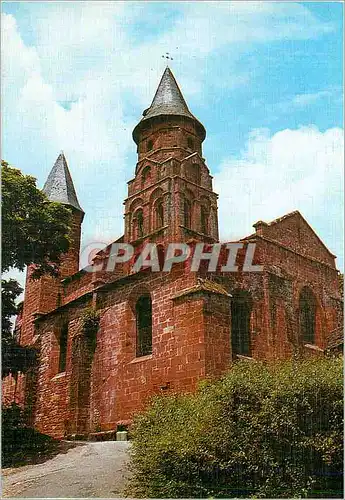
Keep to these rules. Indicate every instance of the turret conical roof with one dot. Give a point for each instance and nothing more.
(59, 185)
(168, 100)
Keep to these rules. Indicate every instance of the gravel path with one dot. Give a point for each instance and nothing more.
(97, 470)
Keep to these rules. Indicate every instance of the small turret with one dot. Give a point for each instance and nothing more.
(42, 295)
(59, 185)
(168, 123)
(168, 101)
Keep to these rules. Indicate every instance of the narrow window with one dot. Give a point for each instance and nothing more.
(149, 145)
(190, 143)
(140, 224)
(161, 256)
(240, 323)
(144, 325)
(159, 215)
(63, 348)
(187, 214)
(204, 219)
(307, 316)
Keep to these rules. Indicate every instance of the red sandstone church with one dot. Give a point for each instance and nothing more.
(160, 332)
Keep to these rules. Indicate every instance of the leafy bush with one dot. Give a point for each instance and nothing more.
(122, 427)
(264, 430)
(20, 443)
(90, 321)
(16, 358)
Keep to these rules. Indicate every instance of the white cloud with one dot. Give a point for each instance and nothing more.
(306, 99)
(94, 133)
(87, 52)
(290, 170)
(75, 41)
(332, 95)
(206, 26)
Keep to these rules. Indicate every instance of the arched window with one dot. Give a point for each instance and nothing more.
(149, 145)
(190, 143)
(187, 214)
(204, 219)
(138, 224)
(143, 311)
(146, 174)
(159, 214)
(63, 348)
(241, 306)
(307, 316)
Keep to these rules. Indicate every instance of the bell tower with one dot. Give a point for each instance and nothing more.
(170, 198)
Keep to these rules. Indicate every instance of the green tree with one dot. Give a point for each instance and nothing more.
(266, 430)
(34, 231)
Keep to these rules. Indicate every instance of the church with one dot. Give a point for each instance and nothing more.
(109, 340)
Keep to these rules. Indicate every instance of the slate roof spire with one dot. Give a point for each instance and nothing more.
(168, 100)
(59, 185)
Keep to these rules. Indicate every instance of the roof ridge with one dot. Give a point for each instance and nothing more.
(279, 219)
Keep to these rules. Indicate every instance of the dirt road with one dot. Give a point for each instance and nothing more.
(95, 470)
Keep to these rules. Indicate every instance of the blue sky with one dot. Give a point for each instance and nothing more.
(264, 78)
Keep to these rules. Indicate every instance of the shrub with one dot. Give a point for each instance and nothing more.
(264, 430)
(20, 443)
(90, 322)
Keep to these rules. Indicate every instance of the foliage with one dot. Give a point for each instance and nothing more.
(34, 231)
(121, 428)
(16, 358)
(264, 430)
(21, 443)
(10, 290)
(90, 322)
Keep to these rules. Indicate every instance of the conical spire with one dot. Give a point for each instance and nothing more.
(168, 100)
(59, 185)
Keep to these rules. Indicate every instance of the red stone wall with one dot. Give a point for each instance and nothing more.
(166, 135)
(217, 327)
(52, 410)
(290, 272)
(45, 294)
(75, 287)
(294, 232)
(121, 382)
